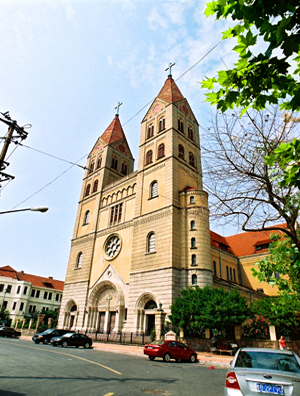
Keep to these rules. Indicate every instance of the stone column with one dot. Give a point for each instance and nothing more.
(30, 324)
(272, 333)
(207, 334)
(50, 323)
(40, 318)
(238, 332)
(159, 322)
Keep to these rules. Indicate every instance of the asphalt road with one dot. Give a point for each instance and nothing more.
(42, 370)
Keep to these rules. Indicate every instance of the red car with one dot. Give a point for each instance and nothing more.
(170, 350)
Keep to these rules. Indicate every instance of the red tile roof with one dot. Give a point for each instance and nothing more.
(113, 132)
(170, 92)
(37, 281)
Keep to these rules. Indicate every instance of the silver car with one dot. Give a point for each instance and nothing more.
(263, 371)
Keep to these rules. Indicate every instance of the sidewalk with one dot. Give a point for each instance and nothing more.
(204, 358)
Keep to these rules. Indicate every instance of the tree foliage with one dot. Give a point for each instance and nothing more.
(260, 77)
(208, 308)
(244, 186)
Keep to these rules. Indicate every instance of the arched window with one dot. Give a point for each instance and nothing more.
(180, 125)
(194, 259)
(86, 217)
(151, 242)
(88, 189)
(192, 199)
(151, 305)
(124, 168)
(193, 242)
(150, 131)
(114, 163)
(190, 133)
(193, 225)
(154, 189)
(149, 157)
(191, 159)
(99, 162)
(181, 151)
(194, 279)
(215, 268)
(79, 260)
(161, 150)
(162, 123)
(91, 167)
(95, 188)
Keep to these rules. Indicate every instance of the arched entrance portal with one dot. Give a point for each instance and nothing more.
(146, 307)
(71, 315)
(150, 309)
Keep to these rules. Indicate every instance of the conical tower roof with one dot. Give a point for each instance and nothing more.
(170, 92)
(114, 131)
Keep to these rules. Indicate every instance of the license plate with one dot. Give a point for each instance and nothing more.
(150, 348)
(266, 388)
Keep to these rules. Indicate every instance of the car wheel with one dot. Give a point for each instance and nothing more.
(36, 342)
(45, 341)
(54, 344)
(65, 344)
(167, 357)
(151, 357)
(192, 358)
(86, 345)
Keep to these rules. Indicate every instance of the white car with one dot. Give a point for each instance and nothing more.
(263, 371)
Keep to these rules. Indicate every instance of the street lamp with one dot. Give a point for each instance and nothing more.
(37, 209)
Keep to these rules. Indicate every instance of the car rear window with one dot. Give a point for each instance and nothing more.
(160, 342)
(267, 360)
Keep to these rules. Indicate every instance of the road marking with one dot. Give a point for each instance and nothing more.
(109, 394)
(73, 356)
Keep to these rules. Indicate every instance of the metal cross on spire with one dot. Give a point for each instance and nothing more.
(117, 107)
(170, 68)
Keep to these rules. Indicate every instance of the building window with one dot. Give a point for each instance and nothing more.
(86, 217)
(1, 287)
(21, 306)
(191, 159)
(193, 225)
(32, 292)
(116, 214)
(150, 131)
(194, 259)
(30, 308)
(192, 199)
(190, 133)
(88, 189)
(18, 289)
(151, 242)
(91, 168)
(194, 279)
(8, 289)
(95, 188)
(193, 242)
(227, 272)
(215, 268)
(124, 168)
(4, 305)
(161, 150)
(181, 151)
(79, 260)
(37, 294)
(14, 306)
(149, 157)
(57, 297)
(230, 269)
(99, 162)
(114, 163)
(162, 124)
(154, 189)
(180, 125)
(50, 296)
(45, 295)
(234, 276)
(25, 290)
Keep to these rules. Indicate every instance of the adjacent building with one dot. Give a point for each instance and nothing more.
(24, 294)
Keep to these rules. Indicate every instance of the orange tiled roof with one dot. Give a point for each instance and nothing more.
(114, 131)
(217, 241)
(170, 92)
(37, 281)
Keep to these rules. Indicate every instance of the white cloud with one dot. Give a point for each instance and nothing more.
(155, 20)
(70, 12)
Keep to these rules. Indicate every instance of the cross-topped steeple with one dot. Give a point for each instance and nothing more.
(170, 68)
(117, 108)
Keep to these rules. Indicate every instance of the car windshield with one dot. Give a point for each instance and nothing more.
(267, 360)
(160, 342)
(68, 335)
(48, 331)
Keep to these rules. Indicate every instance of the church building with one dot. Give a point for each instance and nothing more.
(142, 236)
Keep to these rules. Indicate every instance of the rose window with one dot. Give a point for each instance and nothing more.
(113, 246)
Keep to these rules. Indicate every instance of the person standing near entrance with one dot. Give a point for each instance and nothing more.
(282, 345)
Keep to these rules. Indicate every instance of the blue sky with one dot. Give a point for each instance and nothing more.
(64, 67)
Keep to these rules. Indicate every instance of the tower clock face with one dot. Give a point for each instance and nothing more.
(112, 247)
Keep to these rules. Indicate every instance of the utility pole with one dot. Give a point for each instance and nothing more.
(20, 134)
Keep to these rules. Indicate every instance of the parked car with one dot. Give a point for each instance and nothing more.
(46, 336)
(170, 350)
(72, 339)
(268, 371)
(9, 332)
